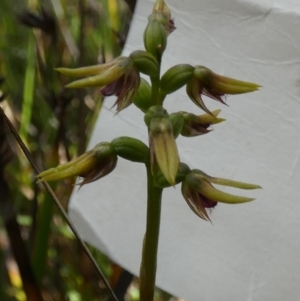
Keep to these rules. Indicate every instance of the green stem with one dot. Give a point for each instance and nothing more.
(155, 99)
(150, 246)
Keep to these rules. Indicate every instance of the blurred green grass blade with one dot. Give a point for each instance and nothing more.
(113, 10)
(41, 242)
(109, 26)
(95, 113)
(64, 28)
(28, 90)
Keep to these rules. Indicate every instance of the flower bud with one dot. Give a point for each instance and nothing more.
(131, 149)
(145, 62)
(155, 38)
(99, 75)
(119, 77)
(92, 165)
(163, 148)
(160, 6)
(154, 112)
(161, 181)
(200, 194)
(142, 98)
(162, 13)
(177, 121)
(222, 84)
(205, 82)
(176, 77)
(195, 125)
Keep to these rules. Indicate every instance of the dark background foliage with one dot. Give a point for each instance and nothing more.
(40, 259)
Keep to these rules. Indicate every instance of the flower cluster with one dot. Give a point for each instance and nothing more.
(122, 78)
(91, 166)
(200, 81)
(200, 194)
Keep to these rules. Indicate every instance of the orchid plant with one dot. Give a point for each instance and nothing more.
(121, 77)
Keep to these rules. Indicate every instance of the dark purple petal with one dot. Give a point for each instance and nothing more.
(207, 203)
(113, 88)
(102, 169)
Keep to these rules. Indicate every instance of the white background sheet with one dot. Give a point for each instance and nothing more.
(251, 252)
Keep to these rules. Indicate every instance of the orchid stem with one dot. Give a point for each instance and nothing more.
(155, 99)
(155, 83)
(150, 246)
